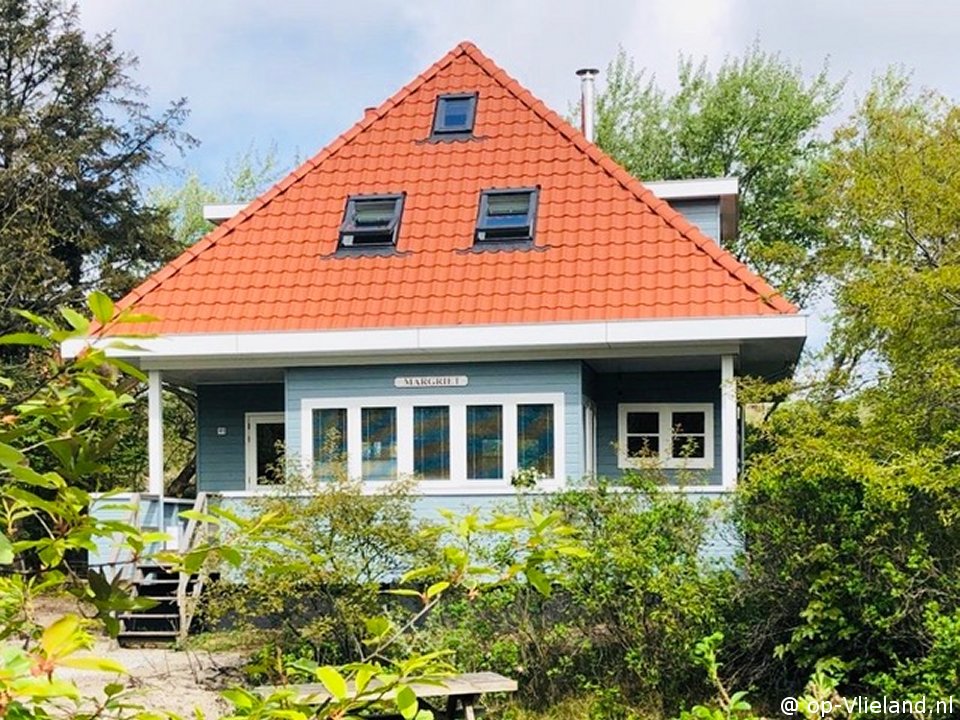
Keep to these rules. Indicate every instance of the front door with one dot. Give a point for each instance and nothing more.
(264, 446)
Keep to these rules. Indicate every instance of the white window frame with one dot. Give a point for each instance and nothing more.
(250, 421)
(458, 484)
(665, 433)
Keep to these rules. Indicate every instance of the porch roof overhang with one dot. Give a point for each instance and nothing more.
(767, 345)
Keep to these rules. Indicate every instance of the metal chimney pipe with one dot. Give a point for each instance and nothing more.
(587, 102)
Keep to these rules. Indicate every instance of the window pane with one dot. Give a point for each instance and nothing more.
(456, 112)
(688, 422)
(688, 446)
(508, 204)
(269, 452)
(643, 445)
(484, 442)
(535, 438)
(507, 209)
(647, 423)
(378, 428)
(374, 213)
(329, 442)
(431, 442)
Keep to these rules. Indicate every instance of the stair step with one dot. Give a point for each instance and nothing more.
(147, 633)
(148, 616)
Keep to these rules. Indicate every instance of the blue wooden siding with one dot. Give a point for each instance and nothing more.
(221, 458)
(611, 389)
(704, 213)
(495, 378)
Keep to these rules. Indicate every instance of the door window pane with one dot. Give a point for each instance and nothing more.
(379, 438)
(329, 442)
(431, 442)
(269, 452)
(535, 438)
(484, 442)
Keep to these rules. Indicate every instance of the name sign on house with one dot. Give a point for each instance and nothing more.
(429, 381)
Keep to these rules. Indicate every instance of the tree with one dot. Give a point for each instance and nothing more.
(75, 138)
(851, 508)
(894, 202)
(756, 118)
(245, 177)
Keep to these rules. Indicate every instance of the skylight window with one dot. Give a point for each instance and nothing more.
(507, 215)
(371, 221)
(454, 115)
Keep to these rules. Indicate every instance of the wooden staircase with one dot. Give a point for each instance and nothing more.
(159, 624)
(175, 594)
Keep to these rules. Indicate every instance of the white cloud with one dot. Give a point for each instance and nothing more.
(301, 71)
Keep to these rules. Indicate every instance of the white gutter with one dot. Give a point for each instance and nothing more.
(476, 338)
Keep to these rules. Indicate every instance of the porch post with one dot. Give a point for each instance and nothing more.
(728, 422)
(155, 432)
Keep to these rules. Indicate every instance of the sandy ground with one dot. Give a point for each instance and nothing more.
(163, 679)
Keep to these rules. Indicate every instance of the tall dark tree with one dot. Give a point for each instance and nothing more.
(76, 135)
(757, 118)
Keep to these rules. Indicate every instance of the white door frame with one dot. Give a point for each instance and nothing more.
(251, 420)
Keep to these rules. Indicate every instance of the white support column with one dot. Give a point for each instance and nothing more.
(728, 422)
(155, 432)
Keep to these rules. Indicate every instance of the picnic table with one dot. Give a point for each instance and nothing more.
(456, 691)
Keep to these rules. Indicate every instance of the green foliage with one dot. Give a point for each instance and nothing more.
(847, 551)
(757, 118)
(309, 595)
(75, 137)
(895, 257)
(623, 621)
(248, 175)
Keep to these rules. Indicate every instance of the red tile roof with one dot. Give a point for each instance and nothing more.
(605, 249)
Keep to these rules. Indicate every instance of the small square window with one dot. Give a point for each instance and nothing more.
(371, 221)
(507, 215)
(673, 436)
(454, 114)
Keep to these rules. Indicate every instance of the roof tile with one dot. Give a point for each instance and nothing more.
(608, 248)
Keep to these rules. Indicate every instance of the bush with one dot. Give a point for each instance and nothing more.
(623, 626)
(308, 598)
(848, 556)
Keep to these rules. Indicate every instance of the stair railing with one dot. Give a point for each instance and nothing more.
(195, 533)
(126, 567)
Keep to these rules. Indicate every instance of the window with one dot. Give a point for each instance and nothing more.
(507, 215)
(379, 438)
(674, 436)
(329, 442)
(371, 221)
(431, 442)
(451, 443)
(535, 438)
(484, 442)
(454, 115)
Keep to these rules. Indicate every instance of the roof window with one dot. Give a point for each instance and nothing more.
(507, 215)
(454, 115)
(371, 221)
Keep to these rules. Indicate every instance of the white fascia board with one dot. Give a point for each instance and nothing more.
(221, 212)
(697, 188)
(477, 339)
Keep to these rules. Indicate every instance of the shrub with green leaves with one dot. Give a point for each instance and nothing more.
(308, 596)
(623, 623)
(848, 556)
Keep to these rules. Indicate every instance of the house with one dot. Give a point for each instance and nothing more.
(460, 287)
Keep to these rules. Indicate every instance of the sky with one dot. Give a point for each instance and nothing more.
(294, 74)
